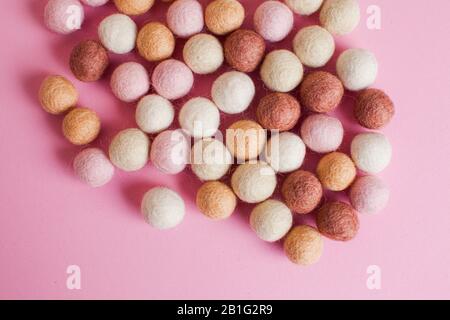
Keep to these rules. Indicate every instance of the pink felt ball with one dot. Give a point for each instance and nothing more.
(369, 195)
(94, 3)
(130, 81)
(170, 152)
(93, 167)
(322, 133)
(172, 79)
(185, 18)
(63, 16)
(273, 20)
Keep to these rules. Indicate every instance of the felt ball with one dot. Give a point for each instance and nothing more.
(163, 208)
(303, 245)
(93, 167)
(155, 42)
(57, 95)
(210, 159)
(357, 69)
(285, 152)
(321, 92)
(203, 53)
(233, 92)
(322, 133)
(185, 18)
(95, 3)
(118, 33)
(129, 150)
(314, 46)
(244, 50)
(224, 16)
(170, 152)
(216, 200)
(130, 81)
(89, 60)
(371, 152)
(337, 221)
(172, 79)
(304, 7)
(273, 20)
(254, 182)
(271, 220)
(81, 126)
(154, 114)
(281, 71)
(133, 7)
(199, 117)
(336, 171)
(245, 139)
(373, 109)
(278, 111)
(340, 16)
(369, 195)
(302, 191)
(63, 16)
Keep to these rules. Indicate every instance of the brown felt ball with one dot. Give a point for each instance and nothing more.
(155, 42)
(303, 245)
(302, 191)
(224, 16)
(89, 60)
(278, 111)
(57, 95)
(374, 109)
(216, 200)
(244, 50)
(336, 171)
(81, 126)
(321, 92)
(338, 221)
(133, 7)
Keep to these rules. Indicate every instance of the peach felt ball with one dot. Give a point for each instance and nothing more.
(322, 133)
(133, 7)
(369, 194)
(95, 3)
(172, 79)
(81, 126)
(170, 152)
(337, 221)
(130, 81)
(303, 245)
(373, 109)
(246, 140)
(93, 167)
(302, 191)
(273, 20)
(57, 95)
(155, 42)
(224, 16)
(89, 60)
(336, 171)
(185, 18)
(63, 16)
(216, 200)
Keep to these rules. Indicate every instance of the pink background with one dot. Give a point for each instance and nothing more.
(49, 220)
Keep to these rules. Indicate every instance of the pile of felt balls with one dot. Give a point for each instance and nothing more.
(260, 155)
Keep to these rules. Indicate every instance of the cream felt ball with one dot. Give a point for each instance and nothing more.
(369, 194)
(314, 46)
(163, 208)
(271, 220)
(210, 159)
(203, 53)
(154, 114)
(199, 117)
(172, 79)
(130, 81)
(285, 152)
(304, 7)
(340, 16)
(273, 20)
(93, 167)
(371, 152)
(118, 33)
(129, 150)
(322, 133)
(185, 18)
(281, 71)
(357, 69)
(63, 16)
(170, 152)
(95, 3)
(233, 92)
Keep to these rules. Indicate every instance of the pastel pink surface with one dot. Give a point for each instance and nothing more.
(48, 220)
(172, 79)
(170, 152)
(57, 15)
(130, 81)
(273, 20)
(185, 18)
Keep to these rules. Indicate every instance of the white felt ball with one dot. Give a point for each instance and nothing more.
(163, 208)
(271, 220)
(233, 92)
(357, 69)
(203, 53)
(117, 33)
(285, 152)
(199, 117)
(210, 159)
(129, 150)
(304, 7)
(340, 16)
(371, 152)
(281, 71)
(95, 3)
(154, 113)
(314, 46)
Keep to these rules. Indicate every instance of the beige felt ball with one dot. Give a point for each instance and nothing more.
(81, 126)
(340, 16)
(216, 200)
(57, 95)
(304, 7)
(303, 245)
(357, 69)
(336, 171)
(155, 42)
(271, 220)
(154, 113)
(314, 46)
(129, 150)
(133, 7)
(224, 16)
(246, 140)
(203, 53)
(210, 159)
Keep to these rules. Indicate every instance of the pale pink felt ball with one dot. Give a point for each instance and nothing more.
(64, 16)
(172, 79)
(369, 195)
(322, 133)
(273, 20)
(93, 167)
(170, 152)
(130, 81)
(94, 3)
(185, 18)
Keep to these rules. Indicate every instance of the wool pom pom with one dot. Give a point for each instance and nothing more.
(372, 152)
(337, 221)
(278, 111)
(321, 92)
(233, 92)
(302, 191)
(185, 18)
(304, 7)
(224, 16)
(216, 200)
(369, 195)
(285, 152)
(95, 3)
(210, 159)
(357, 69)
(273, 20)
(245, 139)
(203, 53)
(303, 245)
(374, 109)
(340, 16)
(172, 79)
(281, 71)
(89, 60)
(63, 16)
(57, 95)
(244, 50)
(129, 150)
(133, 7)
(93, 167)
(314, 46)
(336, 171)
(118, 33)
(130, 81)
(154, 114)
(199, 117)
(81, 126)
(170, 152)
(322, 133)
(271, 220)
(155, 42)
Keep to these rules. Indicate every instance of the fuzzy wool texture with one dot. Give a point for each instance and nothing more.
(203, 53)
(185, 18)
(133, 7)
(285, 152)
(273, 20)
(340, 17)
(281, 71)
(199, 117)
(129, 150)
(337, 221)
(303, 245)
(210, 159)
(155, 42)
(154, 114)
(373, 109)
(233, 92)
(170, 152)
(130, 81)
(271, 220)
(172, 79)
(322, 133)
(89, 60)
(369, 195)
(224, 16)
(302, 191)
(163, 208)
(336, 171)
(321, 92)
(244, 50)
(57, 95)
(95, 3)
(216, 200)
(245, 139)
(58, 16)
(81, 126)
(93, 167)
(314, 46)
(254, 182)
(357, 69)
(118, 33)
(304, 7)
(278, 111)
(371, 152)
